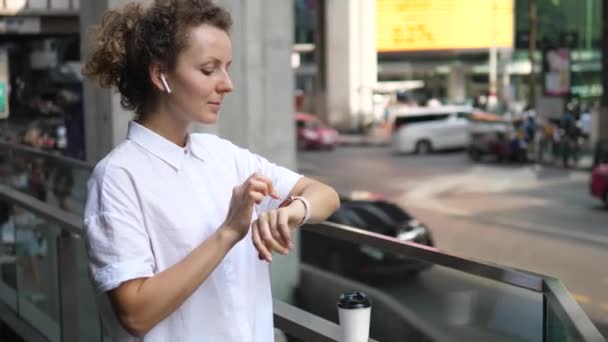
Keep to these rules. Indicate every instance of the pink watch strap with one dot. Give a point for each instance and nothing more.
(306, 209)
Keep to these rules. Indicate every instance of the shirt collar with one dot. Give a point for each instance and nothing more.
(157, 145)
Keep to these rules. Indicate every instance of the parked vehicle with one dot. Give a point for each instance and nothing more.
(312, 133)
(599, 182)
(351, 260)
(423, 130)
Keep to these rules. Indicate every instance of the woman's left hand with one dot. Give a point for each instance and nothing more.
(272, 230)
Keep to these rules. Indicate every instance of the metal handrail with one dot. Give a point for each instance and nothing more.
(429, 254)
(68, 221)
(57, 158)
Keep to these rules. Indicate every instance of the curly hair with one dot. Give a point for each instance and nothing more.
(129, 39)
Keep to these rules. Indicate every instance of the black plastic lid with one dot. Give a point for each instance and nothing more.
(354, 300)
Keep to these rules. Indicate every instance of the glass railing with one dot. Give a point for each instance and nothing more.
(455, 299)
(52, 178)
(44, 277)
(44, 281)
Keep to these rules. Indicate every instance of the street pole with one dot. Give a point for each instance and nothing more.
(531, 50)
(320, 92)
(492, 98)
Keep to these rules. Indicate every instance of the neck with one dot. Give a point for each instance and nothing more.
(167, 126)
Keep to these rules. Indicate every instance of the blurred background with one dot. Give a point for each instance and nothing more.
(476, 128)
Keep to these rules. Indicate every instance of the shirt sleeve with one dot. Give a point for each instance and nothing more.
(283, 179)
(117, 242)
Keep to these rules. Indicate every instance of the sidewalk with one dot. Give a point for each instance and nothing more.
(584, 162)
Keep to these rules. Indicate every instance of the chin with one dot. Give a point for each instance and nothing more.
(206, 119)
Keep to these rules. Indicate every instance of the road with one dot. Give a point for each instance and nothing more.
(521, 216)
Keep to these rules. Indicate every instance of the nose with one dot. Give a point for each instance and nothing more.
(225, 86)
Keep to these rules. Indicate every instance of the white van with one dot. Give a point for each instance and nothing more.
(425, 129)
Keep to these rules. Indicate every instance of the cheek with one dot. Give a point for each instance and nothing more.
(198, 91)
(193, 84)
(205, 89)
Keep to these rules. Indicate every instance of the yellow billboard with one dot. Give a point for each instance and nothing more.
(418, 25)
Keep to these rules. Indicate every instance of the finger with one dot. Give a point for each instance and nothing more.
(263, 252)
(273, 219)
(268, 239)
(256, 196)
(267, 236)
(284, 230)
(271, 191)
(257, 185)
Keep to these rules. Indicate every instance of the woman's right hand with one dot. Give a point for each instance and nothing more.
(244, 197)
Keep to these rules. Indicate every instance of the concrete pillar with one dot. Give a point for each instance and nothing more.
(457, 83)
(258, 115)
(105, 121)
(352, 67)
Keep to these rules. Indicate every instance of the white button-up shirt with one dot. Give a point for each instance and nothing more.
(150, 203)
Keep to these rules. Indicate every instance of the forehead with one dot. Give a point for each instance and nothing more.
(206, 41)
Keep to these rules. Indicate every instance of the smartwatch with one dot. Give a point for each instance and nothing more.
(306, 208)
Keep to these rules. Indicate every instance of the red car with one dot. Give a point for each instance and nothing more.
(599, 182)
(313, 133)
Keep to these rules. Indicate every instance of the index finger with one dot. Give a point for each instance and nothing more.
(271, 191)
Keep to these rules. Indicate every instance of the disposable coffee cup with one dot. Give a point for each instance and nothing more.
(354, 311)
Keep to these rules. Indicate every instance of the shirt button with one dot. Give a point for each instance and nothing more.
(186, 151)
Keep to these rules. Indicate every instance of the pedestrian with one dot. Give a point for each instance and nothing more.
(180, 227)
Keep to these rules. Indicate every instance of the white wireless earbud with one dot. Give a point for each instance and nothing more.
(165, 84)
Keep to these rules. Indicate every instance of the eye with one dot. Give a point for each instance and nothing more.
(207, 71)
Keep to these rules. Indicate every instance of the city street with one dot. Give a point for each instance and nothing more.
(537, 219)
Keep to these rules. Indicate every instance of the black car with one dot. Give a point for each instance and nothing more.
(349, 259)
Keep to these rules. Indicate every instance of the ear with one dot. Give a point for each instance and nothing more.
(154, 71)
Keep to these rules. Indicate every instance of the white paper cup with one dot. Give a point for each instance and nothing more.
(354, 311)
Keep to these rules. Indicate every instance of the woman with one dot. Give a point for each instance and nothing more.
(180, 227)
